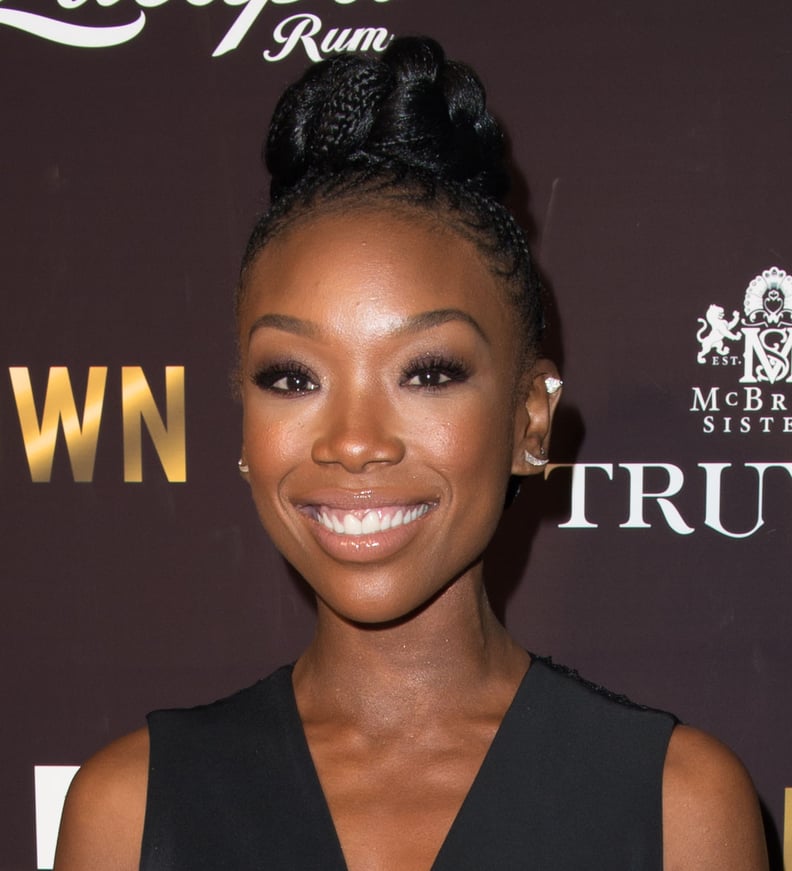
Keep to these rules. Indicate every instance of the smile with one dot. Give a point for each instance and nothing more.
(368, 522)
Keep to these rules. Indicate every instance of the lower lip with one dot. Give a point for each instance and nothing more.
(367, 547)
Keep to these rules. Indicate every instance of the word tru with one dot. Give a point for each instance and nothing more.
(639, 496)
(760, 412)
(81, 432)
(297, 30)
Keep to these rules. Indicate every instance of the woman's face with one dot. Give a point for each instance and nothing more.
(381, 413)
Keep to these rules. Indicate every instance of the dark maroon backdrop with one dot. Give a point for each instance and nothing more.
(654, 142)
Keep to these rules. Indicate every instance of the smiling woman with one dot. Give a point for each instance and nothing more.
(392, 384)
(374, 386)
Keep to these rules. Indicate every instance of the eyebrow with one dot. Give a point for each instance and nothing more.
(413, 324)
(286, 323)
(427, 320)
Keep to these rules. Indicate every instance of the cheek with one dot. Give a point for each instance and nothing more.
(475, 442)
(273, 445)
(271, 430)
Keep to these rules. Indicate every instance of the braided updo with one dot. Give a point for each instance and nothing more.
(409, 128)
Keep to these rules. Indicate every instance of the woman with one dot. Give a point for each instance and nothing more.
(389, 328)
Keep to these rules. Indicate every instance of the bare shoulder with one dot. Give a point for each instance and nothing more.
(711, 817)
(102, 822)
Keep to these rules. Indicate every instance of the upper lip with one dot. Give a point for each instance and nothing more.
(362, 500)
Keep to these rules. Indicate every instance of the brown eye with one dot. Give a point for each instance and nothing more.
(288, 379)
(429, 378)
(434, 373)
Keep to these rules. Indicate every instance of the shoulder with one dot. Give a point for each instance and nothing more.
(581, 704)
(102, 823)
(711, 816)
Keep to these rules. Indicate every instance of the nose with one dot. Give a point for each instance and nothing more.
(355, 432)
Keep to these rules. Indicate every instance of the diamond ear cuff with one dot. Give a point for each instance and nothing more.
(552, 384)
(535, 461)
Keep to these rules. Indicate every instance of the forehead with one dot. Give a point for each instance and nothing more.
(387, 263)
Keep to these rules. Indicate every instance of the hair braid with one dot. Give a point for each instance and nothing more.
(410, 127)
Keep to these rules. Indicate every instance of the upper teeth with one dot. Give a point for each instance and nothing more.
(368, 522)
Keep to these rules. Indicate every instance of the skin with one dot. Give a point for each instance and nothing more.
(379, 372)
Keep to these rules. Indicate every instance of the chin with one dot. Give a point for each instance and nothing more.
(381, 605)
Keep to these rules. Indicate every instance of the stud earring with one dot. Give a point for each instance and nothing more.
(535, 461)
(553, 384)
(243, 467)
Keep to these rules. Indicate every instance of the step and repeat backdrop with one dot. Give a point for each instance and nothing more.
(652, 142)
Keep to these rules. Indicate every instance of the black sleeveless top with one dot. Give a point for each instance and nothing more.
(571, 781)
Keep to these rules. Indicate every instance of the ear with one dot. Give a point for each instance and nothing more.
(541, 390)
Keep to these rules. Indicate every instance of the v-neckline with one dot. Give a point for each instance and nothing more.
(306, 762)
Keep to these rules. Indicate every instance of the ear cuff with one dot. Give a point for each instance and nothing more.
(532, 460)
(552, 384)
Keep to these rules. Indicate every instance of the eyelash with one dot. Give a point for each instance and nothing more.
(453, 371)
(299, 380)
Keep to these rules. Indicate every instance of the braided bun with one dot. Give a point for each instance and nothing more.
(409, 127)
(411, 108)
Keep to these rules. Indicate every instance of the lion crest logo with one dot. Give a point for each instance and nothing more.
(714, 331)
(765, 328)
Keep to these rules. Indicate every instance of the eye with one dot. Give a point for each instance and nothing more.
(288, 378)
(429, 378)
(434, 373)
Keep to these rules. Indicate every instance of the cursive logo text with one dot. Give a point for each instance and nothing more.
(300, 30)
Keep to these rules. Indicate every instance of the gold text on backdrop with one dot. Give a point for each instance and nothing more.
(40, 435)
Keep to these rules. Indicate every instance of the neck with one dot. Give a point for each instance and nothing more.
(453, 649)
